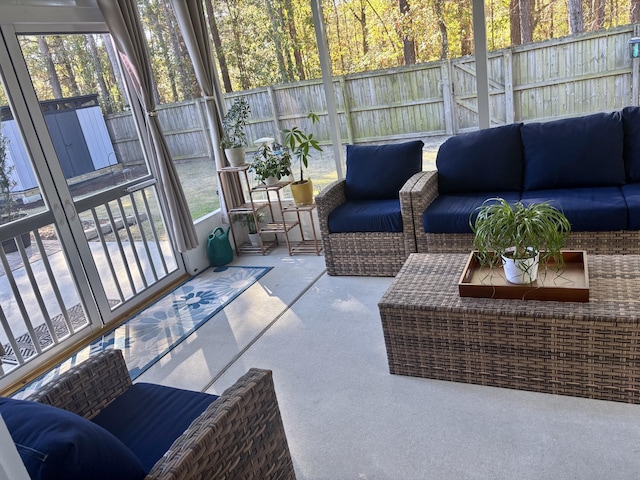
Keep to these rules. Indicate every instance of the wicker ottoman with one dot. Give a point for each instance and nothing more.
(582, 349)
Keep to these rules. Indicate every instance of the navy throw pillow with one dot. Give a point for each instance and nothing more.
(631, 128)
(488, 160)
(56, 444)
(378, 172)
(574, 152)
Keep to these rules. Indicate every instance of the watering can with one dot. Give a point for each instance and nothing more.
(218, 247)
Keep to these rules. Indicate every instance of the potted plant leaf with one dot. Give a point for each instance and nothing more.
(235, 138)
(249, 221)
(300, 145)
(271, 165)
(519, 237)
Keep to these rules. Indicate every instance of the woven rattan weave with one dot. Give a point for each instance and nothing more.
(365, 253)
(425, 191)
(582, 349)
(240, 435)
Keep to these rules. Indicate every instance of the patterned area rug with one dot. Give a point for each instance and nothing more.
(154, 332)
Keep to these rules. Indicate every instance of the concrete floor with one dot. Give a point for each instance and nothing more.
(346, 417)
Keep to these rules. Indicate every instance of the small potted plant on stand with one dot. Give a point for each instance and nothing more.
(235, 138)
(300, 145)
(249, 221)
(519, 237)
(271, 166)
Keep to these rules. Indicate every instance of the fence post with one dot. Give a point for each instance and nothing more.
(276, 115)
(447, 97)
(508, 86)
(347, 110)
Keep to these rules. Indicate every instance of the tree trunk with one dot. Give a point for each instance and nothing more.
(444, 37)
(180, 56)
(526, 21)
(408, 44)
(217, 43)
(635, 11)
(295, 41)
(107, 102)
(54, 81)
(466, 28)
(277, 39)
(245, 84)
(598, 9)
(576, 18)
(514, 22)
(115, 66)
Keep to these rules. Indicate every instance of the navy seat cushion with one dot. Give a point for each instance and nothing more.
(369, 216)
(378, 172)
(483, 161)
(631, 193)
(451, 213)
(574, 152)
(56, 444)
(587, 209)
(148, 418)
(631, 128)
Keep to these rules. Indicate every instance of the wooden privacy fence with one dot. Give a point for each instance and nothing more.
(566, 77)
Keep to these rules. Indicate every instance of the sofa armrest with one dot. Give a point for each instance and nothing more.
(89, 387)
(327, 200)
(240, 435)
(424, 192)
(407, 211)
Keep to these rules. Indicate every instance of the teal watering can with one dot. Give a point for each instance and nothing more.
(218, 247)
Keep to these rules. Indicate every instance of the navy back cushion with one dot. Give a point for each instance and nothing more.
(575, 152)
(378, 172)
(148, 418)
(56, 444)
(484, 161)
(631, 128)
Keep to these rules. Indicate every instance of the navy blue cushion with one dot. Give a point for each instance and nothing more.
(587, 209)
(56, 444)
(575, 152)
(378, 172)
(631, 194)
(631, 128)
(148, 418)
(371, 216)
(451, 213)
(483, 161)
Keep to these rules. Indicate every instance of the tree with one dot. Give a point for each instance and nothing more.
(576, 18)
(54, 81)
(444, 36)
(408, 44)
(217, 43)
(635, 11)
(514, 22)
(526, 21)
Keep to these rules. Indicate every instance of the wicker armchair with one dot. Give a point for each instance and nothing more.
(365, 253)
(240, 435)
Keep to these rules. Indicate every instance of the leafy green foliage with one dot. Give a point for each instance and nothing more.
(249, 221)
(500, 226)
(233, 124)
(301, 143)
(267, 163)
(7, 203)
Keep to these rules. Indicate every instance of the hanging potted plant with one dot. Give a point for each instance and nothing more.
(519, 237)
(235, 139)
(8, 206)
(300, 144)
(271, 166)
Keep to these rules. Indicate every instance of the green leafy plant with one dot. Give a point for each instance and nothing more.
(267, 163)
(300, 144)
(7, 203)
(234, 123)
(519, 232)
(249, 221)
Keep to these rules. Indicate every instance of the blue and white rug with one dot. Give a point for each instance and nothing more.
(154, 332)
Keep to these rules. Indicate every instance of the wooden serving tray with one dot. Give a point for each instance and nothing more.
(569, 284)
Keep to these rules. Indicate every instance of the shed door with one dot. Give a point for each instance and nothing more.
(69, 143)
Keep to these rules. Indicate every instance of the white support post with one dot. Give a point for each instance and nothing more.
(482, 65)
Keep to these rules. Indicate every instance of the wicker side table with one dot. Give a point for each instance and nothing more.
(582, 349)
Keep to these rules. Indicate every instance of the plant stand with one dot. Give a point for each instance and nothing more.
(304, 246)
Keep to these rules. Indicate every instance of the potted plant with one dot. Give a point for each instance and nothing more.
(235, 139)
(269, 165)
(249, 221)
(300, 145)
(8, 205)
(519, 237)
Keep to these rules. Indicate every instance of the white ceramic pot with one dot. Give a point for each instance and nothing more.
(270, 181)
(254, 238)
(235, 156)
(521, 271)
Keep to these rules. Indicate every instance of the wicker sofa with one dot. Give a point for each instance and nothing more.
(239, 435)
(366, 219)
(587, 166)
